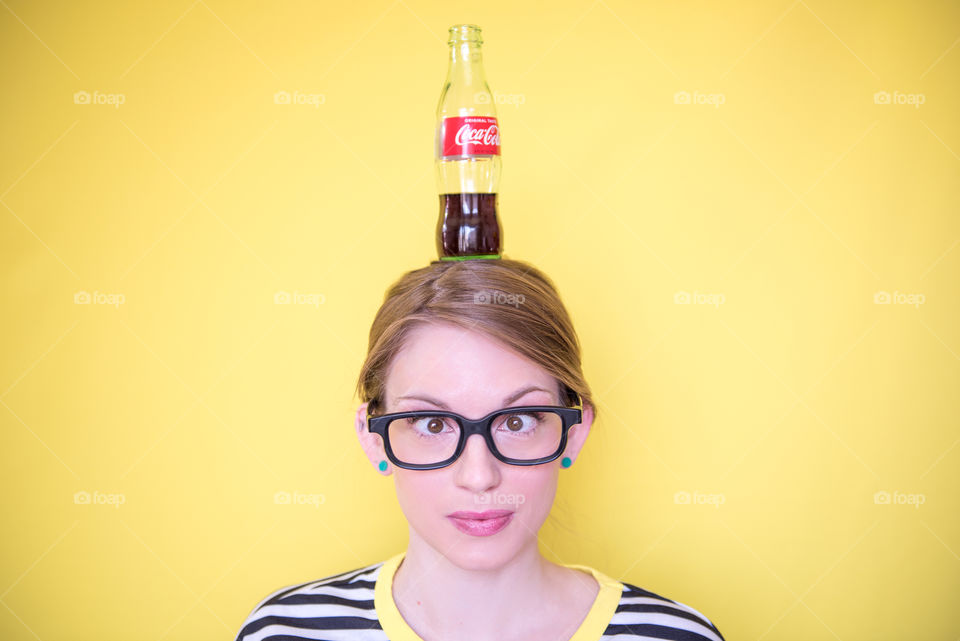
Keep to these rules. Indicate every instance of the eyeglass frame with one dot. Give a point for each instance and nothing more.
(569, 416)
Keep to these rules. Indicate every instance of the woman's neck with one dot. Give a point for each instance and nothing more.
(440, 600)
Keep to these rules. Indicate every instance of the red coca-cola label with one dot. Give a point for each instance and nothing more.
(470, 136)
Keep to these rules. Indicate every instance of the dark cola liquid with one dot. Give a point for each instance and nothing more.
(468, 225)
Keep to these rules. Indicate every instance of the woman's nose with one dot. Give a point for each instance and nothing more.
(477, 467)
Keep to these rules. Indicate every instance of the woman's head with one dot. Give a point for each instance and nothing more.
(469, 335)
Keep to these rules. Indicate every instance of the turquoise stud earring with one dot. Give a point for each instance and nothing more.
(566, 462)
(383, 466)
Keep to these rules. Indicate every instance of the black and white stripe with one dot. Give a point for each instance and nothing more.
(644, 615)
(336, 608)
(341, 608)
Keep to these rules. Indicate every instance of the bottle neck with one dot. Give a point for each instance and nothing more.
(466, 61)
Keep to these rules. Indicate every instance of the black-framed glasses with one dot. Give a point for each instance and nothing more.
(428, 440)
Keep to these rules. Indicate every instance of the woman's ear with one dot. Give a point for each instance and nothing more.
(577, 435)
(371, 443)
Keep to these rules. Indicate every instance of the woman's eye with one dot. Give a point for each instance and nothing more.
(519, 423)
(428, 425)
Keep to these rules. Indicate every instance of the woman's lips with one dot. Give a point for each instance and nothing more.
(481, 523)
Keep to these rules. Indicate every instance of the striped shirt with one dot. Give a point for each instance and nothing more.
(359, 606)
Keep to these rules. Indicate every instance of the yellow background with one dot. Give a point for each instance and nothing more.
(743, 437)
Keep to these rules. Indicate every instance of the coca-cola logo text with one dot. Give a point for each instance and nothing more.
(489, 136)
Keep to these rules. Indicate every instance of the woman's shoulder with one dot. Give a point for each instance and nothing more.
(337, 602)
(648, 615)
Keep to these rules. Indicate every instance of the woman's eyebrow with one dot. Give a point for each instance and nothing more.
(507, 401)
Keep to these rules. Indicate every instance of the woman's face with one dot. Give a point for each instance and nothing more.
(471, 375)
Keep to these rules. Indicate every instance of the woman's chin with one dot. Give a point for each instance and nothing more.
(479, 558)
(479, 553)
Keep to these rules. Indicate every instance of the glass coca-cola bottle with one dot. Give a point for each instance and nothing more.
(467, 154)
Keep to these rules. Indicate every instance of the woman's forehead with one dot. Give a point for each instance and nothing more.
(448, 363)
(446, 351)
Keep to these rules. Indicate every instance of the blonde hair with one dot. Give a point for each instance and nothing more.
(508, 300)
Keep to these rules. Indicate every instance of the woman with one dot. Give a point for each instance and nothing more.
(454, 345)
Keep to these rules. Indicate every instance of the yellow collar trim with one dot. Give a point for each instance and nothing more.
(397, 629)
